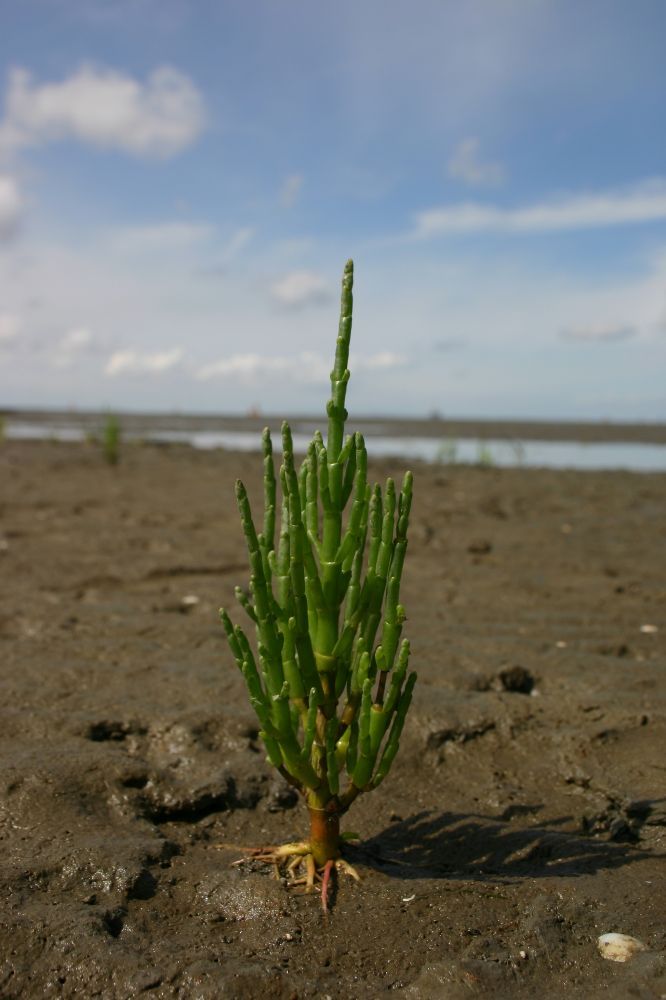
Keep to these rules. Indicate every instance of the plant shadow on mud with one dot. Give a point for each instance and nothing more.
(453, 846)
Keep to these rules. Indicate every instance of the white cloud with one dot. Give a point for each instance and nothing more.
(599, 333)
(385, 359)
(466, 165)
(131, 362)
(643, 203)
(512, 361)
(251, 367)
(305, 367)
(291, 189)
(9, 328)
(106, 108)
(300, 288)
(11, 205)
(76, 342)
(163, 236)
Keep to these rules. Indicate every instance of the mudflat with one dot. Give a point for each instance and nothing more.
(524, 816)
(442, 429)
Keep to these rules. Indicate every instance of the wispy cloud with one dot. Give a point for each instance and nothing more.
(291, 189)
(76, 340)
(106, 108)
(131, 362)
(466, 165)
(602, 333)
(11, 205)
(76, 343)
(384, 359)
(9, 328)
(251, 367)
(300, 288)
(219, 265)
(642, 203)
(239, 240)
(305, 367)
(158, 237)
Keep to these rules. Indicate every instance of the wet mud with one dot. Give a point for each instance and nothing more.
(525, 814)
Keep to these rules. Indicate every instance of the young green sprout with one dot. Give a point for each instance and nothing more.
(328, 680)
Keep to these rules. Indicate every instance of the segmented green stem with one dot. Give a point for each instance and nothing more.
(319, 602)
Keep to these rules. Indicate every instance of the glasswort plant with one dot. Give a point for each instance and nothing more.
(329, 685)
(111, 440)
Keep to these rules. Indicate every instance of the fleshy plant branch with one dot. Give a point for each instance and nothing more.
(329, 681)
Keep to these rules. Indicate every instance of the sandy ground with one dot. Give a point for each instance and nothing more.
(525, 814)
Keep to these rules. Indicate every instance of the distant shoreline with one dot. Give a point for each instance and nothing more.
(439, 428)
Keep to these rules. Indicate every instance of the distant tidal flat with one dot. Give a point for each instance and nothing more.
(602, 446)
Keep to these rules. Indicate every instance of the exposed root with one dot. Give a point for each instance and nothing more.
(295, 864)
(344, 866)
(273, 855)
(312, 872)
(326, 877)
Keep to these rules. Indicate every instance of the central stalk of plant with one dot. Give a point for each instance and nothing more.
(324, 832)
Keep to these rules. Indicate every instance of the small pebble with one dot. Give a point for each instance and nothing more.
(619, 947)
(649, 629)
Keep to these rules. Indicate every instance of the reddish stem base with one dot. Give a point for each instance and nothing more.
(324, 835)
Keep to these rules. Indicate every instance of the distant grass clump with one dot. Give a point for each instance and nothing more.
(447, 453)
(111, 440)
(484, 456)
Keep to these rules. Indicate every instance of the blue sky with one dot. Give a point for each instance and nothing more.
(181, 183)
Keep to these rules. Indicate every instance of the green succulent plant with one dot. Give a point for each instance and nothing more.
(329, 679)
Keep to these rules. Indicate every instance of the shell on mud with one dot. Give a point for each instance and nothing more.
(619, 947)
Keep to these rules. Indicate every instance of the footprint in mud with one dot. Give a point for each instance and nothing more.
(182, 772)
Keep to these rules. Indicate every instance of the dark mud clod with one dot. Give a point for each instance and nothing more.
(480, 547)
(99, 732)
(517, 680)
